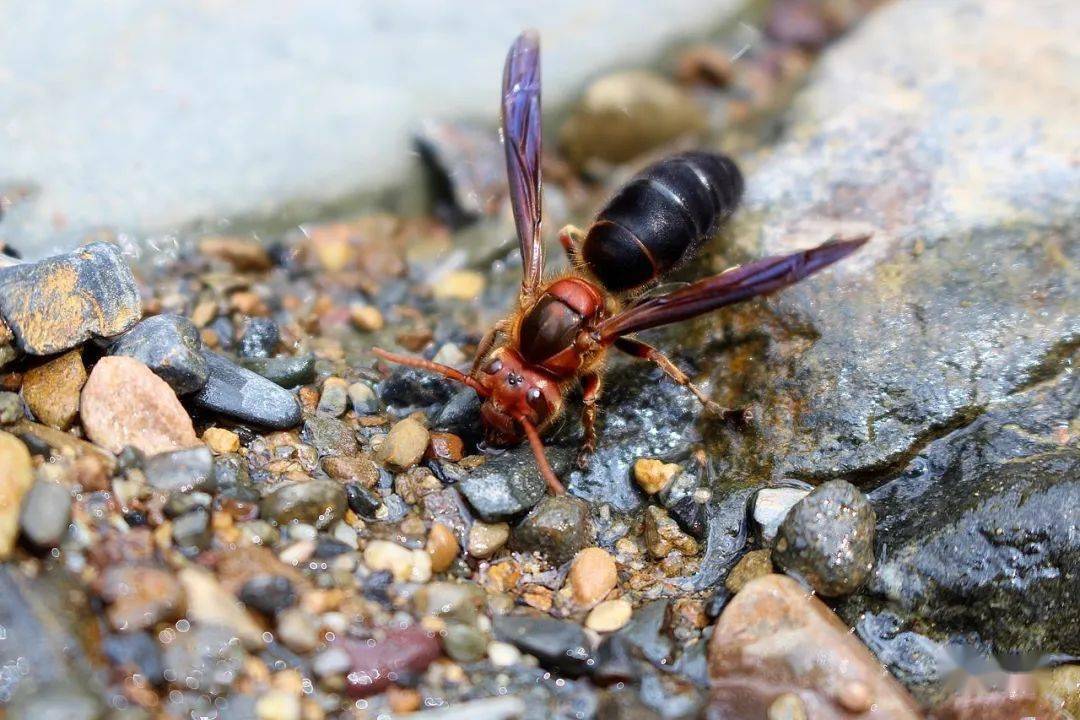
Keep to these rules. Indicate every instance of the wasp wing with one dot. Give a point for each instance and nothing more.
(739, 283)
(521, 143)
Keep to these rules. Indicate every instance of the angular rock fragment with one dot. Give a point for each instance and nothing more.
(171, 347)
(51, 390)
(238, 393)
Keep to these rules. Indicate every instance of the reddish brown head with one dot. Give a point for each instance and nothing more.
(513, 391)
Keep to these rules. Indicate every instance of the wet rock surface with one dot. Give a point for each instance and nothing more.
(61, 302)
(238, 393)
(558, 527)
(171, 347)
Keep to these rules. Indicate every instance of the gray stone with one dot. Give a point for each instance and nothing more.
(181, 470)
(557, 528)
(827, 539)
(269, 594)
(61, 302)
(288, 372)
(62, 701)
(363, 399)
(330, 436)
(46, 513)
(260, 338)
(169, 345)
(459, 602)
(241, 394)
(558, 645)
(334, 398)
(509, 484)
(192, 530)
(316, 502)
(11, 408)
(464, 643)
(206, 658)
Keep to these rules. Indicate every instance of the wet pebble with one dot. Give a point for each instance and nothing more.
(206, 658)
(753, 565)
(221, 441)
(11, 408)
(446, 446)
(362, 501)
(16, 478)
(209, 603)
(192, 530)
(334, 398)
(403, 563)
(485, 539)
(181, 470)
(558, 645)
(464, 643)
(356, 469)
(278, 705)
(442, 546)
(663, 535)
(140, 596)
(557, 528)
(46, 513)
(288, 372)
(399, 651)
(592, 576)
(316, 502)
(408, 387)
(298, 629)
(455, 601)
(366, 317)
(363, 399)
(653, 475)
(268, 594)
(123, 403)
(139, 652)
(330, 436)
(241, 394)
(404, 444)
(609, 616)
(51, 390)
(61, 302)
(170, 345)
(506, 485)
(828, 539)
(771, 506)
(260, 338)
(245, 254)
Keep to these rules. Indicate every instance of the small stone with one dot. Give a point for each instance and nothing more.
(61, 302)
(609, 616)
(558, 645)
(288, 372)
(138, 651)
(385, 555)
(421, 567)
(558, 527)
(260, 338)
(464, 643)
(828, 539)
(623, 115)
(11, 408)
(333, 661)
(503, 654)
(170, 345)
(221, 441)
(459, 285)
(181, 470)
(16, 477)
(446, 446)
(663, 535)
(316, 502)
(51, 390)
(442, 546)
(400, 651)
(211, 604)
(268, 594)
(123, 403)
(334, 398)
(192, 530)
(771, 506)
(654, 475)
(404, 444)
(486, 539)
(753, 565)
(450, 354)
(206, 657)
(330, 436)
(787, 707)
(46, 514)
(363, 399)
(366, 318)
(592, 576)
(238, 393)
(278, 705)
(355, 469)
(362, 501)
(298, 629)
(141, 596)
(243, 253)
(456, 601)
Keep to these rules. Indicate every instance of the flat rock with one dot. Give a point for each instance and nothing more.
(51, 390)
(558, 644)
(171, 347)
(241, 394)
(775, 639)
(181, 471)
(60, 302)
(16, 477)
(46, 513)
(124, 403)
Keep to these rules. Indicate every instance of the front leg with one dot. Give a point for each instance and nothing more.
(590, 385)
(642, 350)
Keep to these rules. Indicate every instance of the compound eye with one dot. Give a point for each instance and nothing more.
(493, 367)
(535, 399)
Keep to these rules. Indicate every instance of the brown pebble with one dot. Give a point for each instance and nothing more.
(221, 440)
(485, 539)
(243, 253)
(16, 477)
(752, 565)
(609, 615)
(366, 318)
(409, 650)
(459, 285)
(592, 576)
(402, 700)
(446, 446)
(855, 696)
(442, 546)
(357, 468)
(404, 444)
(51, 390)
(124, 403)
(140, 596)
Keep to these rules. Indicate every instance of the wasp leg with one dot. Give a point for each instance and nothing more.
(590, 386)
(486, 343)
(645, 351)
(571, 237)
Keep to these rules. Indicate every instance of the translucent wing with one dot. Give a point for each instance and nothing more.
(521, 142)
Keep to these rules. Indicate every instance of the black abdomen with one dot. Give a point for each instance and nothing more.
(658, 218)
